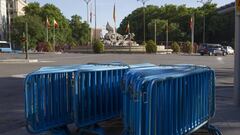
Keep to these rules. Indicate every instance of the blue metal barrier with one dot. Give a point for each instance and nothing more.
(48, 98)
(98, 94)
(50, 92)
(173, 100)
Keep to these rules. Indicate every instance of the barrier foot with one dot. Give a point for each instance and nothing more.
(60, 131)
(213, 130)
(95, 129)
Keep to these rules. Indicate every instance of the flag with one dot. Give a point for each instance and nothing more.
(128, 28)
(91, 14)
(191, 23)
(114, 13)
(55, 24)
(47, 23)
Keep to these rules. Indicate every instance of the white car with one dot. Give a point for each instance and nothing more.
(5, 47)
(229, 49)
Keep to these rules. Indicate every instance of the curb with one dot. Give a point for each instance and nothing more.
(19, 61)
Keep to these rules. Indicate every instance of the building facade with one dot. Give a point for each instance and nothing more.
(14, 8)
(3, 19)
(98, 33)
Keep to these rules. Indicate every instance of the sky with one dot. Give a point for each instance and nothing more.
(105, 8)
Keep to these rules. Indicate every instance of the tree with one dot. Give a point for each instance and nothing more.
(175, 33)
(33, 9)
(175, 47)
(63, 32)
(173, 28)
(161, 29)
(80, 30)
(35, 30)
(151, 47)
(179, 19)
(98, 46)
(36, 17)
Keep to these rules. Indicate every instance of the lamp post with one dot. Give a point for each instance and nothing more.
(204, 18)
(9, 8)
(87, 3)
(95, 31)
(237, 55)
(144, 21)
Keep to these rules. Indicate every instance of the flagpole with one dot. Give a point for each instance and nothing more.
(87, 3)
(27, 43)
(91, 33)
(192, 28)
(88, 22)
(155, 31)
(54, 42)
(47, 29)
(47, 33)
(167, 35)
(114, 18)
(130, 37)
(95, 32)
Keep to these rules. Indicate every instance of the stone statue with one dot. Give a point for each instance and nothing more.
(109, 28)
(116, 39)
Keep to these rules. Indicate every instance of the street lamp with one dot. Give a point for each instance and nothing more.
(9, 8)
(87, 3)
(204, 17)
(95, 31)
(144, 21)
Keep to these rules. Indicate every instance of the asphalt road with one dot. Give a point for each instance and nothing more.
(12, 94)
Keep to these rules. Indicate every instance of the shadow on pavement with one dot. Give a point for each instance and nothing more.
(11, 104)
(227, 116)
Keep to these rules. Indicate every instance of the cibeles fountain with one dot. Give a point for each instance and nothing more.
(112, 38)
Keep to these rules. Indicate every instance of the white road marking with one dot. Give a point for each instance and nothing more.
(19, 76)
(45, 61)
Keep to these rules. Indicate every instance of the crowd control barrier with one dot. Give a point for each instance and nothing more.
(51, 91)
(161, 100)
(97, 94)
(165, 100)
(49, 98)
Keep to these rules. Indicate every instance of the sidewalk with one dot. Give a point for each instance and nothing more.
(227, 117)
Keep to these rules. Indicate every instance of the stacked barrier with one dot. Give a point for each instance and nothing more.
(98, 94)
(51, 91)
(168, 99)
(175, 99)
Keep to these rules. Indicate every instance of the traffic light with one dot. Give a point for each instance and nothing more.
(23, 38)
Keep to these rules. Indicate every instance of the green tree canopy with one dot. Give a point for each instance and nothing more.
(179, 23)
(80, 30)
(33, 9)
(35, 30)
(36, 17)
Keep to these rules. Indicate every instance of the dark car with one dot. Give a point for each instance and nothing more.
(212, 49)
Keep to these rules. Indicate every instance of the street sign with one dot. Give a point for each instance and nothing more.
(238, 6)
(23, 39)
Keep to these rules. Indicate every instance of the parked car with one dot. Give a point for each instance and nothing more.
(229, 49)
(212, 49)
(5, 47)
